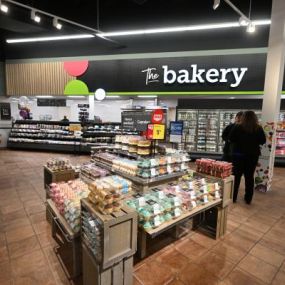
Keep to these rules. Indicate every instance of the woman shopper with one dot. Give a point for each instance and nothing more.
(227, 155)
(246, 139)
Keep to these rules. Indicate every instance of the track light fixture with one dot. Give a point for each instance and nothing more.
(216, 4)
(56, 24)
(250, 28)
(4, 8)
(35, 17)
(243, 21)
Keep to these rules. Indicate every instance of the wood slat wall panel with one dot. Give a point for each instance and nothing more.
(44, 78)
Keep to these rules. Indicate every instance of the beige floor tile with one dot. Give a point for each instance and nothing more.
(4, 255)
(268, 255)
(25, 246)
(279, 278)
(258, 268)
(19, 234)
(5, 272)
(190, 249)
(239, 277)
(219, 266)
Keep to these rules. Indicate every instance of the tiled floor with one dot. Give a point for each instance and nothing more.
(252, 252)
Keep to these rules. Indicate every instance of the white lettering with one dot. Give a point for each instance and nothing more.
(224, 72)
(197, 74)
(166, 74)
(211, 75)
(150, 75)
(238, 77)
(183, 76)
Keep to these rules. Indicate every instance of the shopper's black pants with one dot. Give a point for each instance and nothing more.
(244, 165)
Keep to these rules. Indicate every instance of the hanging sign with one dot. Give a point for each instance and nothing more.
(157, 116)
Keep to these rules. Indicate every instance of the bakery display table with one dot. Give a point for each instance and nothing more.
(152, 233)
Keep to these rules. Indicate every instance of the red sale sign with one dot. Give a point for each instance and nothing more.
(157, 116)
(149, 132)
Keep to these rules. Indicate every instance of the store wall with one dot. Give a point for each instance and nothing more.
(2, 79)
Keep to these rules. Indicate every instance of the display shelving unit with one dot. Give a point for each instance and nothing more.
(202, 135)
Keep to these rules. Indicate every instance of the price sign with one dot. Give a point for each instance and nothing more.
(157, 221)
(75, 127)
(158, 132)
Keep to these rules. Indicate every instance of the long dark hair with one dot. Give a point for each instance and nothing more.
(249, 121)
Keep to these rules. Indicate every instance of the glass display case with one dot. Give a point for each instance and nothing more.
(203, 130)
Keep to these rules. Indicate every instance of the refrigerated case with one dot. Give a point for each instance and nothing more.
(202, 134)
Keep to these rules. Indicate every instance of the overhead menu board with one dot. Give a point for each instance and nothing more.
(47, 102)
(138, 119)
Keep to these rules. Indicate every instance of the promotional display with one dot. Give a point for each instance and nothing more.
(176, 131)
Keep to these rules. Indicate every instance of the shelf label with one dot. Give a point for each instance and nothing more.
(152, 172)
(203, 181)
(217, 187)
(191, 184)
(141, 201)
(156, 209)
(157, 221)
(194, 204)
(205, 191)
(192, 194)
(205, 197)
(176, 201)
(217, 194)
(177, 212)
(161, 195)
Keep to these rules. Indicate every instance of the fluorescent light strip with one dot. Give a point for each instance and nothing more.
(115, 96)
(181, 29)
(45, 39)
(44, 96)
(147, 96)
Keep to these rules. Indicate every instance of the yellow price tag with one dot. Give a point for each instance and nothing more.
(158, 132)
(75, 127)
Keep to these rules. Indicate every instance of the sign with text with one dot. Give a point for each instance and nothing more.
(223, 73)
(157, 116)
(176, 131)
(158, 132)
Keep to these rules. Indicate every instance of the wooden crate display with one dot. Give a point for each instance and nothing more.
(227, 187)
(57, 176)
(116, 234)
(119, 274)
(68, 250)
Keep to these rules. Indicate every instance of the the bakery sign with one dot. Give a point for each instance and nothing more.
(195, 75)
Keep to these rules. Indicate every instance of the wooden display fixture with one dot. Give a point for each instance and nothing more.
(119, 233)
(119, 274)
(51, 176)
(68, 250)
(227, 186)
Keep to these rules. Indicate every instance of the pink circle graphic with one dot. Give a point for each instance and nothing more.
(76, 68)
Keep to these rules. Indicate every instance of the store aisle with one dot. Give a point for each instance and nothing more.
(252, 252)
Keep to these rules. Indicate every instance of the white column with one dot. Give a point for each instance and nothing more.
(91, 107)
(272, 94)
